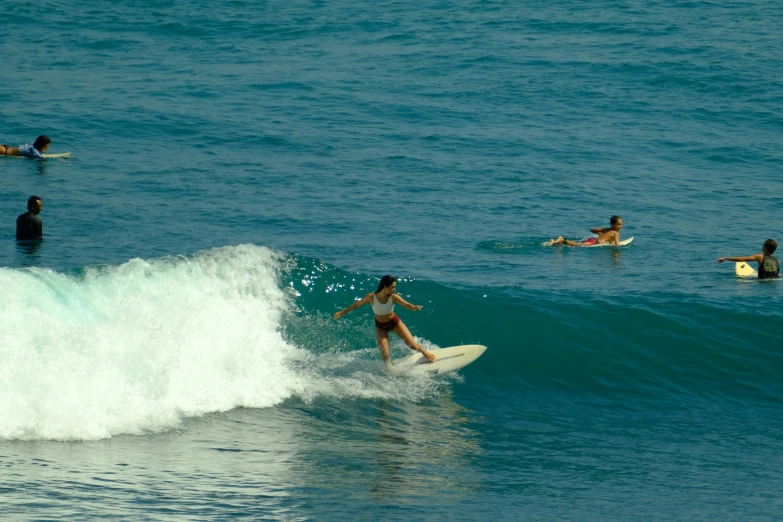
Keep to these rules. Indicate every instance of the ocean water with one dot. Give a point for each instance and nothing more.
(242, 170)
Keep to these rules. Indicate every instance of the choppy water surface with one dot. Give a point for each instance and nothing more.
(241, 171)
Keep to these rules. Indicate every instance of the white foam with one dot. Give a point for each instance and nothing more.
(136, 348)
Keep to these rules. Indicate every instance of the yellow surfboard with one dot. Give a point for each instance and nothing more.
(744, 270)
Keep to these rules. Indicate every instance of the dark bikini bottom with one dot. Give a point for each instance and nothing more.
(388, 326)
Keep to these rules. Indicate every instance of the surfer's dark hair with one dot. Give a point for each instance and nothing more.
(386, 281)
(614, 219)
(41, 142)
(32, 199)
(770, 245)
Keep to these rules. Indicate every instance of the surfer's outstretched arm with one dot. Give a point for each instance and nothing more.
(367, 299)
(758, 258)
(399, 300)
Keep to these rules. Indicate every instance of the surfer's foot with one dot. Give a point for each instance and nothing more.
(559, 241)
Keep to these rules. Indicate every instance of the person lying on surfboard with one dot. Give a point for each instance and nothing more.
(382, 302)
(29, 150)
(606, 236)
(769, 265)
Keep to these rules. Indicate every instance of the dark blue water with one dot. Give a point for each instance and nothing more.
(241, 171)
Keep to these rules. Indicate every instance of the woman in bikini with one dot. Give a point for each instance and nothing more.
(30, 150)
(382, 302)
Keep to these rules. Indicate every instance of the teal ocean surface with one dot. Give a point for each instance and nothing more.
(242, 170)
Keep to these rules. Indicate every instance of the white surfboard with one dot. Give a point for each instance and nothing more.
(47, 156)
(446, 360)
(624, 242)
(744, 270)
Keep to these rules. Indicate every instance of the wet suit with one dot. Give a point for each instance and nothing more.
(769, 267)
(29, 226)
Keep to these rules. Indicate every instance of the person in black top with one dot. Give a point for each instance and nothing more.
(29, 225)
(769, 265)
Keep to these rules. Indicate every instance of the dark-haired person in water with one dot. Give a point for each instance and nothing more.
(769, 265)
(382, 302)
(606, 236)
(29, 225)
(29, 150)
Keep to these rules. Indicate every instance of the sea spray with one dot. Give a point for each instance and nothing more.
(136, 347)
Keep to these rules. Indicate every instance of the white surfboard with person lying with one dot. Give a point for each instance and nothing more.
(36, 149)
(606, 236)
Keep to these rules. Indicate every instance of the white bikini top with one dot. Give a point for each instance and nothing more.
(380, 308)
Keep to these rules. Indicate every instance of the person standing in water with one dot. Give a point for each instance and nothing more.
(29, 150)
(769, 265)
(382, 302)
(29, 225)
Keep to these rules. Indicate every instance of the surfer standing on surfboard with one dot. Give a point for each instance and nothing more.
(606, 236)
(769, 265)
(29, 150)
(382, 302)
